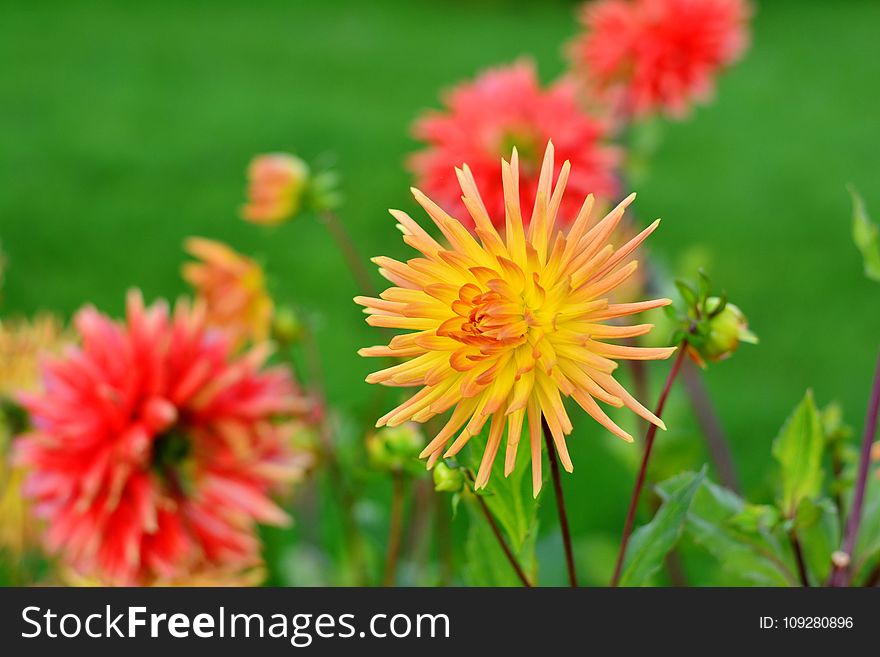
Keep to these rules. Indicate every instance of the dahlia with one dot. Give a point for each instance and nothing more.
(154, 449)
(22, 344)
(502, 328)
(277, 184)
(502, 109)
(233, 288)
(659, 55)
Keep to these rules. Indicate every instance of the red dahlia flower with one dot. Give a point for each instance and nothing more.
(154, 449)
(502, 109)
(659, 55)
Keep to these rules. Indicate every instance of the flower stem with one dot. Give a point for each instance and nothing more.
(349, 252)
(799, 558)
(716, 441)
(840, 576)
(328, 447)
(444, 541)
(395, 529)
(643, 469)
(501, 542)
(560, 502)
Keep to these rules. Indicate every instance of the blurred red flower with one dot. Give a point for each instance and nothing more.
(658, 55)
(505, 108)
(154, 450)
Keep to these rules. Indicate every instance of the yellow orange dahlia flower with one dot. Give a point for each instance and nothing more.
(501, 328)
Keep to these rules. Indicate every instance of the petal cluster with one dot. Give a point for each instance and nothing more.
(155, 450)
(502, 329)
(660, 55)
(502, 109)
(276, 185)
(233, 288)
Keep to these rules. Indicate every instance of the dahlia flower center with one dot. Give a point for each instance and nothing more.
(13, 416)
(492, 319)
(527, 144)
(171, 460)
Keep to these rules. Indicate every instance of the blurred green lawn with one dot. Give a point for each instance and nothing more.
(127, 127)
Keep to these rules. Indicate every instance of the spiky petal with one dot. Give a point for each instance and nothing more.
(501, 109)
(659, 55)
(502, 329)
(154, 449)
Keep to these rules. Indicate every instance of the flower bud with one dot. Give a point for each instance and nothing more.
(727, 329)
(395, 448)
(286, 326)
(448, 480)
(840, 559)
(276, 189)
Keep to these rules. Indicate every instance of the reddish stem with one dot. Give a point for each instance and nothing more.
(643, 469)
(560, 502)
(350, 253)
(501, 542)
(395, 528)
(840, 576)
(799, 558)
(716, 441)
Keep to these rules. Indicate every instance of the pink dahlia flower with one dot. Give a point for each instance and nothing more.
(659, 55)
(154, 450)
(505, 108)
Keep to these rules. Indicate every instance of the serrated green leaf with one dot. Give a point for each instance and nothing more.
(798, 450)
(510, 498)
(513, 506)
(486, 563)
(866, 235)
(651, 543)
(746, 558)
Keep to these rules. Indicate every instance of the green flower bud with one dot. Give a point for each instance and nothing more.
(448, 480)
(726, 329)
(286, 326)
(395, 449)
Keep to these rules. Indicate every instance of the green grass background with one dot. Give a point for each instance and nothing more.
(126, 127)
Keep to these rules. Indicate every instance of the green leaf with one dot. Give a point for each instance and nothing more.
(867, 550)
(866, 235)
(705, 286)
(798, 449)
(818, 528)
(746, 558)
(486, 563)
(510, 498)
(755, 518)
(651, 543)
(688, 294)
(515, 509)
